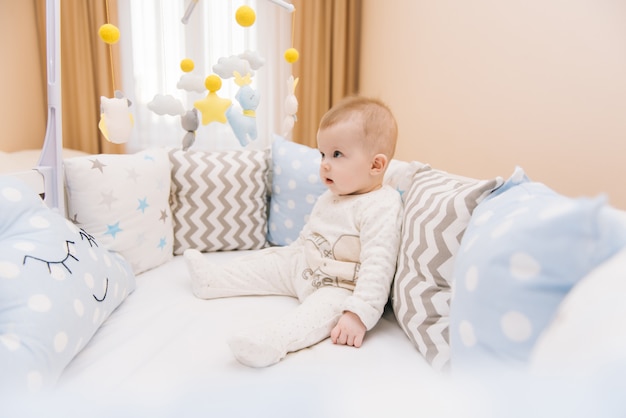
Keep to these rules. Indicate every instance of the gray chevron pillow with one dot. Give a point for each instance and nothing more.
(219, 199)
(437, 210)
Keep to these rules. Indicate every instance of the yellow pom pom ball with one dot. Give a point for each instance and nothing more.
(213, 83)
(245, 16)
(109, 33)
(291, 55)
(187, 65)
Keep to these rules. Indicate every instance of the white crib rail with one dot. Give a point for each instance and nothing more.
(50, 161)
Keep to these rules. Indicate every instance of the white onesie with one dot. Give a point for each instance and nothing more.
(343, 260)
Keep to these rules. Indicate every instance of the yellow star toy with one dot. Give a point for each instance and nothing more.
(213, 107)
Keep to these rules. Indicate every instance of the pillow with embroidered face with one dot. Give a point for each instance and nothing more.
(123, 201)
(57, 286)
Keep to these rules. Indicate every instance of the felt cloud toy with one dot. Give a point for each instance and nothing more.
(226, 67)
(166, 105)
(244, 123)
(254, 59)
(169, 105)
(191, 82)
(116, 122)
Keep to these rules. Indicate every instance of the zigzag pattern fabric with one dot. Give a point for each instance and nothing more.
(438, 207)
(219, 199)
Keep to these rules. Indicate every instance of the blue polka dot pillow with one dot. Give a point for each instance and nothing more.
(526, 246)
(296, 186)
(57, 286)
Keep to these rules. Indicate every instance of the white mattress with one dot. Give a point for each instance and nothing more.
(163, 350)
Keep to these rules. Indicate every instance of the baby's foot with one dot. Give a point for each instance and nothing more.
(199, 271)
(254, 353)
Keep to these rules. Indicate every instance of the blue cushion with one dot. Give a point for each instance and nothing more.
(296, 186)
(57, 286)
(526, 246)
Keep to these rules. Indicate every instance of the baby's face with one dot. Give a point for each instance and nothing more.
(346, 163)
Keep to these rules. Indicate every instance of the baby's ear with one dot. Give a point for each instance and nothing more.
(379, 163)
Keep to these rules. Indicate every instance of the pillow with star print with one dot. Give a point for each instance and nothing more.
(123, 201)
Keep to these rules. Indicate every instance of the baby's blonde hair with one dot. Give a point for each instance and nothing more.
(380, 130)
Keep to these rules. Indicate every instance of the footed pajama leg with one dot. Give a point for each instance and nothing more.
(266, 272)
(308, 324)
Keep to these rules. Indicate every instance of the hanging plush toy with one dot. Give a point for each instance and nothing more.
(189, 120)
(212, 107)
(243, 123)
(190, 82)
(291, 106)
(169, 105)
(116, 121)
(190, 123)
(291, 101)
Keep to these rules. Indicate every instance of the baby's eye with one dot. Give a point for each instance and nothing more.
(322, 154)
(337, 154)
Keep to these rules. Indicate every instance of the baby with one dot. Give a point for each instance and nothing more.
(342, 264)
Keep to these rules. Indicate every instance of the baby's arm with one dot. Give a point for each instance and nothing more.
(350, 330)
(380, 230)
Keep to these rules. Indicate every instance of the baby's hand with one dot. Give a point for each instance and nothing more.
(350, 330)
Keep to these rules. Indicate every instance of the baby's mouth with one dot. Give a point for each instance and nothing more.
(328, 181)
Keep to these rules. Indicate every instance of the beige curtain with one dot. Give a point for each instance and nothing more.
(327, 36)
(86, 71)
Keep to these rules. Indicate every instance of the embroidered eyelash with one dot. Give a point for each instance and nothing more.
(90, 239)
(84, 236)
(50, 263)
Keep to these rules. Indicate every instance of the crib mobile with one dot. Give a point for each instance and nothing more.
(117, 121)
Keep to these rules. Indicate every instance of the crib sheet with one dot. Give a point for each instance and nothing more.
(165, 350)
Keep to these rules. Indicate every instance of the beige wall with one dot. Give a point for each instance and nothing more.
(483, 85)
(23, 104)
